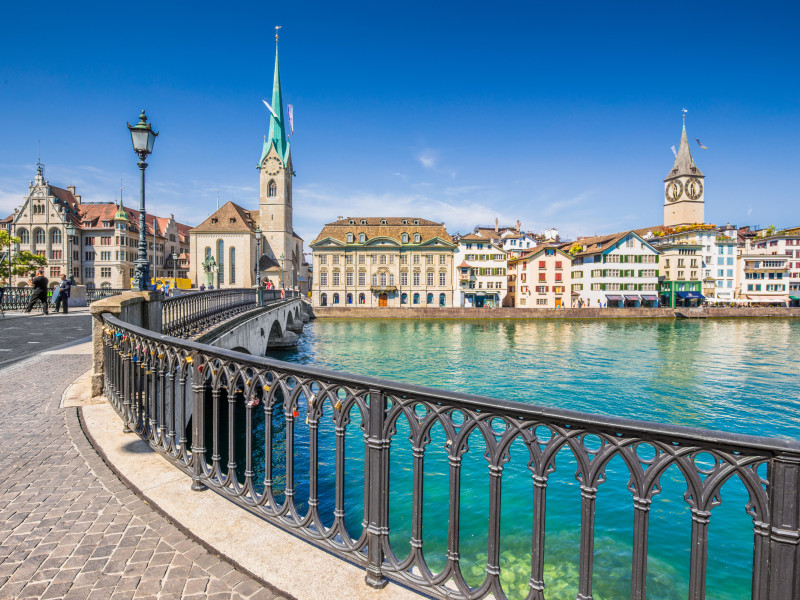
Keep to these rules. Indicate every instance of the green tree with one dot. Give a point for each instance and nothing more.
(22, 263)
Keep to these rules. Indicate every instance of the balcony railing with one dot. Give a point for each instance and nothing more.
(249, 413)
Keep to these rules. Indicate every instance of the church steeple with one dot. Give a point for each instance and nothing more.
(684, 163)
(277, 131)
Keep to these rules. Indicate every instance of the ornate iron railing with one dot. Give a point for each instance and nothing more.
(17, 298)
(247, 411)
(95, 294)
(190, 313)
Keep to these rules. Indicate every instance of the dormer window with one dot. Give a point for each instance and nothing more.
(417, 238)
(416, 221)
(106, 223)
(352, 222)
(363, 221)
(383, 221)
(404, 238)
(232, 220)
(362, 237)
(214, 220)
(405, 221)
(350, 238)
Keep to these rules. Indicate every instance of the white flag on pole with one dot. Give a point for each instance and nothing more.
(269, 108)
(673, 151)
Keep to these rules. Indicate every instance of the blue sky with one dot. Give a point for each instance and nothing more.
(556, 114)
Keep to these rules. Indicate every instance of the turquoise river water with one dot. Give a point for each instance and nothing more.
(735, 375)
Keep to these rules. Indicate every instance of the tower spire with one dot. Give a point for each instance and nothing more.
(684, 163)
(277, 131)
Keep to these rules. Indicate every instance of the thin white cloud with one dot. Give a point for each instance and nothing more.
(427, 158)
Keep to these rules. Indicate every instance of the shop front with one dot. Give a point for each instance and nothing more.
(631, 301)
(481, 300)
(614, 301)
(649, 300)
(689, 299)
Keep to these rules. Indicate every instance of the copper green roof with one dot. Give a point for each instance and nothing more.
(120, 215)
(277, 131)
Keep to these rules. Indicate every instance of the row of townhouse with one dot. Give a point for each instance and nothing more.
(415, 263)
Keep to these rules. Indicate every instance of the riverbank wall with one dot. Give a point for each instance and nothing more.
(329, 312)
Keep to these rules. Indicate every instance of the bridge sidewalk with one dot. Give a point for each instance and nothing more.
(69, 528)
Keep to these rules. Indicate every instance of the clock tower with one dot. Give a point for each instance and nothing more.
(275, 197)
(684, 201)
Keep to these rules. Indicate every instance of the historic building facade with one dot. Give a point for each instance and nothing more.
(382, 262)
(227, 243)
(480, 275)
(541, 279)
(105, 243)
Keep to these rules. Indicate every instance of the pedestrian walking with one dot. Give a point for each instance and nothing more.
(62, 294)
(39, 294)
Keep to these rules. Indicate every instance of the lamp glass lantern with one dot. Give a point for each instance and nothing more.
(142, 136)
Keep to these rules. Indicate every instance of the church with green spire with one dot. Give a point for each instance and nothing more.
(684, 202)
(230, 235)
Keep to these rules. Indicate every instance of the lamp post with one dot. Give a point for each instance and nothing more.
(70, 233)
(283, 266)
(174, 268)
(143, 138)
(293, 283)
(259, 295)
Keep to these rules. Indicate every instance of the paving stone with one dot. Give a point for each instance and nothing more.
(69, 528)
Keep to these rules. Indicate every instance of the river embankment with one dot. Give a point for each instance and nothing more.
(336, 312)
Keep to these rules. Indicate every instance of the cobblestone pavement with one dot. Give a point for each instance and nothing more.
(69, 528)
(25, 335)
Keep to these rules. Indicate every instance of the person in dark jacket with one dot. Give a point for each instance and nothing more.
(39, 294)
(62, 292)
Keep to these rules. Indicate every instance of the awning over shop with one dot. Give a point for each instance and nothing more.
(770, 299)
(614, 298)
(651, 298)
(691, 295)
(480, 294)
(795, 297)
(631, 297)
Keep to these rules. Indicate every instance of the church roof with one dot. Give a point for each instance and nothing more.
(684, 163)
(389, 227)
(230, 218)
(277, 130)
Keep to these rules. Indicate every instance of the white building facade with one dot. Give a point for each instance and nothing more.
(480, 278)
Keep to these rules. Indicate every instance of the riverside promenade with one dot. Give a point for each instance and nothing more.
(69, 527)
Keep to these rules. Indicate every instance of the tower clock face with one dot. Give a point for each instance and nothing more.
(673, 190)
(694, 188)
(272, 165)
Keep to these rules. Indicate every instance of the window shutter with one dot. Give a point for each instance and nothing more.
(604, 272)
(603, 286)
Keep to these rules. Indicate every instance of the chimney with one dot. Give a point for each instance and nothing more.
(496, 224)
(77, 197)
(71, 189)
(518, 225)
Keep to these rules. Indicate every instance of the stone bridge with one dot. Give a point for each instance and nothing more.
(275, 326)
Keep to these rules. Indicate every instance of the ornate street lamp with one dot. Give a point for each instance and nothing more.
(259, 295)
(174, 268)
(283, 266)
(70, 233)
(143, 138)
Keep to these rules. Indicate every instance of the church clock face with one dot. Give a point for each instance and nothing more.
(272, 165)
(694, 188)
(673, 190)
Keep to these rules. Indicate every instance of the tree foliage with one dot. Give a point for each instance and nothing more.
(23, 263)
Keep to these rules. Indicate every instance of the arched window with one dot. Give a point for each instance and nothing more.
(404, 238)
(336, 298)
(272, 189)
(403, 298)
(208, 251)
(442, 300)
(362, 237)
(417, 238)
(350, 238)
(362, 299)
(38, 236)
(232, 266)
(416, 298)
(349, 298)
(220, 263)
(323, 299)
(24, 236)
(55, 236)
(430, 298)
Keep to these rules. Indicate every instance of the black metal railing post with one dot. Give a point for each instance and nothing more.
(377, 509)
(784, 555)
(198, 425)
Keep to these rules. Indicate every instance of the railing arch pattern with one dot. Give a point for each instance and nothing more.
(155, 381)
